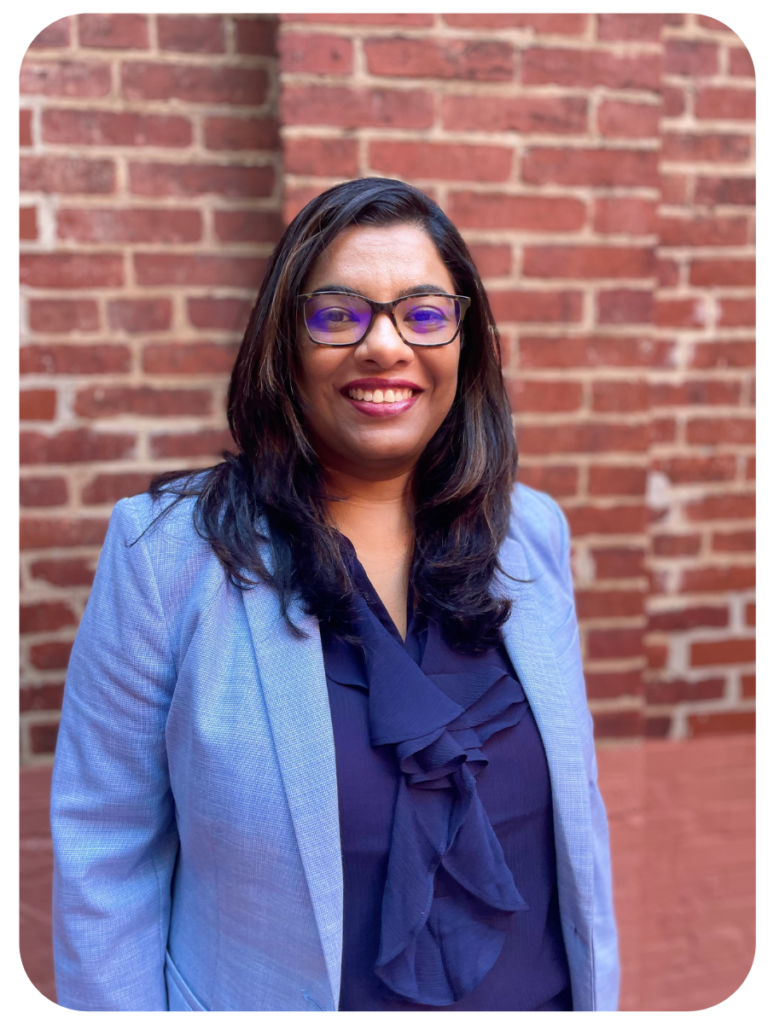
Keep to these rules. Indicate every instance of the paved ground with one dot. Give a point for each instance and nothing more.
(683, 836)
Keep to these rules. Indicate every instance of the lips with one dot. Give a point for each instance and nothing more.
(376, 396)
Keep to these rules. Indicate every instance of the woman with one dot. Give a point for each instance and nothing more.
(325, 741)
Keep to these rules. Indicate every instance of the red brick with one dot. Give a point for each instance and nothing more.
(71, 270)
(356, 108)
(129, 225)
(618, 519)
(51, 655)
(191, 33)
(45, 617)
(483, 60)
(61, 532)
(113, 31)
(402, 20)
(54, 316)
(441, 161)
(574, 166)
(726, 103)
(178, 269)
(721, 430)
(199, 442)
(82, 79)
(619, 119)
(633, 28)
(536, 306)
(546, 24)
(237, 133)
(74, 445)
(587, 261)
(559, 481)
(194, 83)
(625, 216)
(203, 357)
(107, 488)
(544, 395)
(295, 198)
(725, 273)
(678, 690)
(53, 36)
(667, 273)
(610, 604)
(629, 480)
(682, 619)
(582, 437)
(680, 313)
(578, 351)
(137, 316)
(64, 175)
(28, 223)
(674, 189)
(43, 736)
(78, 359)
(491, 260)
(698, 469)
(736, 313)
(164, 179)
(738, 540)
(705, 148)
(97, 402)
(722, 506)
(751, 467)
(711, 191)
(690, 57)
(716, 578)
(43, 491)
(625, 306)
(696, 392)
(321, 157)
(700, 230)
(255, 35)
(618, 563)
(723, 652)
(318, 54)
(663, 430)
(25, 127)
(559, 115)
(722, 354)
(221, 314)
(676, 545)
(613, 684)
(725, 722)
(64, 572)
(523, 212)
(37, 405)
(748, 687)
(619, 395)
(712, 23)
(247, 225)
(114, 128)
(673, 101)
(656, 655)
(47, 697)
(589, 68)
(740, 62)
(617, 724)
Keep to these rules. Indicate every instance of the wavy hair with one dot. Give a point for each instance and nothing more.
(264, 509)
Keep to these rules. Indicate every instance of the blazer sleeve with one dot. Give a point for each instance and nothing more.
(112, 811)
(605, 951)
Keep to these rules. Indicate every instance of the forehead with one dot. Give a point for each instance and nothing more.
(382, 260)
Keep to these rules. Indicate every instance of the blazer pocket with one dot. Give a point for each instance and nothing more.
(564, 637)
(180, 995)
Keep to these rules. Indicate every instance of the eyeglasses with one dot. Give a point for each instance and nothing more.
(345, 318)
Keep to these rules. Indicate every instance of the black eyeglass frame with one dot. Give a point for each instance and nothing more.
(383, 307)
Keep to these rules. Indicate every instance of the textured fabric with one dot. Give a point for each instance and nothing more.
(496, 739)
(194, 803)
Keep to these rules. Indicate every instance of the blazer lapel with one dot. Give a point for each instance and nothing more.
(294, 686)
(532, 653)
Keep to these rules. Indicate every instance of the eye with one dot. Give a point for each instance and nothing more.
(332, 317)
(426, 317)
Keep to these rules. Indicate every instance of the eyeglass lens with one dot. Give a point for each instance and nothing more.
(336, 318)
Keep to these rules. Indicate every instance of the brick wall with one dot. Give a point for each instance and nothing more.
(601, 168)
(150, 176)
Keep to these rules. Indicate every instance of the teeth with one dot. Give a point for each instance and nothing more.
(378, 396)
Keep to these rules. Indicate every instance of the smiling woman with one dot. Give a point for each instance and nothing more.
(325, 741)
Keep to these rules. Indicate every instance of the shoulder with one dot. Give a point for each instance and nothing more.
(538, 522)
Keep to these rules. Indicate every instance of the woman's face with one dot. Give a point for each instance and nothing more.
(375, 439)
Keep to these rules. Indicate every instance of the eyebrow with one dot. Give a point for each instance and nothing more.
(434, 289)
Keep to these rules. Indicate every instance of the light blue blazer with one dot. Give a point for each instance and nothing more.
(194, 805)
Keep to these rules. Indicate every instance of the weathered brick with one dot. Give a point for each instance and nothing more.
(202, 357)
(610, 604)
(440, 161)
(71, 270)
(62, 316)
(27, 223)
(45, 617)
(716, 578)
(113, 31)
(619, 395)
(714, 148)
(82, 79)
(736, 540)
(696, 392)
(613, 684)
(667, 273)
(191, 33)
(740, 62)
(609, 724)
(47, 697)
(194, 83)
(317, 53)
(129, 225)
(237, 133)
(618, 480)
(321, 157)
(673, 189)
(721, 430)
(384, 19)
(726, 103)
(219, 314)
(619, 519)
(625, 306)
(587, 261)
(695, 617)
(721, 724)
(625, 216)
(66, 175)
(37, 404)
(233, 181)
(692, 469)
(51, 655)
(61, 532)
(107, 488)
(723, 652)
(582, 437)
(633, 28)
(74, 445)
(722, 354)
(79, 359)
(663, 429)
(736, 313)
(491, 260)
(198, 442)
(544, 24)
(725, 273)
(357, 108)
(656, 655)
(712, 24)
(64, 572)
(544, 396)
(255, 35)
(677, 690)
(620, 119)
(748, 685)
(137, 316)
(247, 225)
(523, 212)
(557, 480)
(577, 351)
(114, 128)
(690, 57)
(703, 230)
(25, 128)
(721, 506)
(669, 545)
(518, 306)
(680, 313)
(559, 115)
(586, 69)
(179, 269)
(43, 736)
(482, 60)
(55, 35)
(99, 402)
(42, 491)
(673, 100)
(618, 563)
(575, 166)
(715, 191)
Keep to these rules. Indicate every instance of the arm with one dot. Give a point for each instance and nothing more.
(112, 811)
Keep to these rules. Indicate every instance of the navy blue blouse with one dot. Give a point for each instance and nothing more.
(450, 892)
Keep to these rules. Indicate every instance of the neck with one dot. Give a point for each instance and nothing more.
(382, 503)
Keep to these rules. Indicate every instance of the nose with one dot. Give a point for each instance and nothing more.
(383, 345)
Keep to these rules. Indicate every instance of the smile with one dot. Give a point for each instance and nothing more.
(377, 396)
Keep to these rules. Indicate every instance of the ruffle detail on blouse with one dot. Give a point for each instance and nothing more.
(435, 950)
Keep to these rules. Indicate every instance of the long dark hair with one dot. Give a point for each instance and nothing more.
(263, 510)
